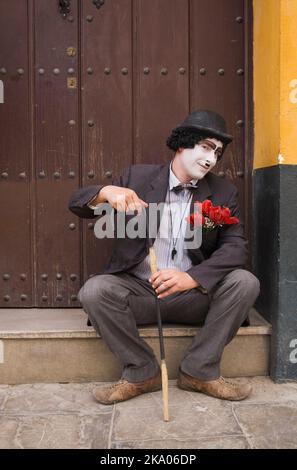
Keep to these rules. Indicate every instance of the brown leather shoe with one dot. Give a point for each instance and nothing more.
(124, 390)
(219, 388)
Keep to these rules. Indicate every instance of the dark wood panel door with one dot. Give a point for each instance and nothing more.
(106, 100)
(161, 58)
(16, 224)
(57, 154)
(217, 82)
(88, 93)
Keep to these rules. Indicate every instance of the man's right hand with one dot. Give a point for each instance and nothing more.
(121, 199)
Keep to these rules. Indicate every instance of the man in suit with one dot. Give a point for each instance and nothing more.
(204, 285)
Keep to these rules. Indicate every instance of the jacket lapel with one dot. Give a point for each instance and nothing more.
(156, 193)
(201, 193)
(158, 187)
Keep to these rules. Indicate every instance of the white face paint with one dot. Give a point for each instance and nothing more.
(198, 161)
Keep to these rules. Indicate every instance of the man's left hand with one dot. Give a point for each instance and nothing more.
(168, 281)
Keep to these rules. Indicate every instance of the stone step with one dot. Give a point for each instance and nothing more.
(56, 345)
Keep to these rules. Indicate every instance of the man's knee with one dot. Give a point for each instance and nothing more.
(95, 287)
(245, 282)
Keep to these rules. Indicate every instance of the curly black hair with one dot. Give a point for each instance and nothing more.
(187, 138)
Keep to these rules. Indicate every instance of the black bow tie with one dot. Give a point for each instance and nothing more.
(180, 187)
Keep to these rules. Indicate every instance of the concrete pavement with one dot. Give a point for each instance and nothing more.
(55, 416)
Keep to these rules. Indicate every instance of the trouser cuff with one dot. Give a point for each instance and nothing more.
(140, 374)
(212, 373)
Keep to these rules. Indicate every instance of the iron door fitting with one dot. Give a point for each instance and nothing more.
(65, 7)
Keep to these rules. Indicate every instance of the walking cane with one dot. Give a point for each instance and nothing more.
(164, 373)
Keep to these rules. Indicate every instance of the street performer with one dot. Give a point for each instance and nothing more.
(207, 285)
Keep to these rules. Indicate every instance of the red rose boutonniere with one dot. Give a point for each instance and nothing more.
(210, 216)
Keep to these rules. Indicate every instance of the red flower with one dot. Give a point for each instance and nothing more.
(210, 216)
(206, 205)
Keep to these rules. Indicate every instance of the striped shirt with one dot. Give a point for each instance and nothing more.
(170, 236)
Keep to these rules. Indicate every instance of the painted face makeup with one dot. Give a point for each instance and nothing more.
(198, 161)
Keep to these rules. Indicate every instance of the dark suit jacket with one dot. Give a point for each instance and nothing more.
(222, 250)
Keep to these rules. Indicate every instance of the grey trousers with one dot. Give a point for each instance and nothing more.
(117, 303)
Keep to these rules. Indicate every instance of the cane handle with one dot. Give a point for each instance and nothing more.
(153, 260)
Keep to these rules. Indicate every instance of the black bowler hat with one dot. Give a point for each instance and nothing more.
(209, 122)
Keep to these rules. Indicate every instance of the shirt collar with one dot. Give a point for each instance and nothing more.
(174, 181)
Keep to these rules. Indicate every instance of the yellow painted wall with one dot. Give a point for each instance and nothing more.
(275, 82)
(288, 81)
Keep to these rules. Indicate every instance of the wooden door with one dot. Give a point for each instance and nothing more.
(89, 90)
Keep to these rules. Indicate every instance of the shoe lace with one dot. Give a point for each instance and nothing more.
(227, 382)
(118, 383)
